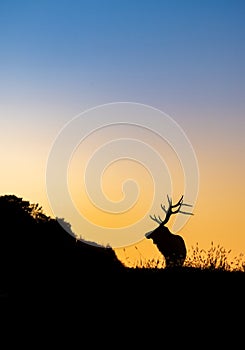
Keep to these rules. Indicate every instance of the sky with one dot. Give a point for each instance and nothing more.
(184, 58)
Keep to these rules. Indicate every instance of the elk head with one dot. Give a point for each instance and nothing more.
(171, 246)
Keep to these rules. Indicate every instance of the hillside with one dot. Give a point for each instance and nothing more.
(42, 258)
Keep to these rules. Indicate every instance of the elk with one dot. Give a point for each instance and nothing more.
(172, 246)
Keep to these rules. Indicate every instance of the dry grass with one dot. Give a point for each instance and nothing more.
(216, 258)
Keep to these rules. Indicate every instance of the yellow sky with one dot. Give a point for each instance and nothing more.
(218, 212)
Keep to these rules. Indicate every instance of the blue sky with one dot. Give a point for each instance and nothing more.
(155, 52)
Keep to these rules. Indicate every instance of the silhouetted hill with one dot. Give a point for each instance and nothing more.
(38, 256)
(38, 250)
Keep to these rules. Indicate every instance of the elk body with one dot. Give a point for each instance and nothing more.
(172, 246)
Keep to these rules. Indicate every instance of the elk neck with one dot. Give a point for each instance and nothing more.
(164, 228)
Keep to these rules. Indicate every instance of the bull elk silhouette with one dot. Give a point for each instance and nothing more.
(172, 246)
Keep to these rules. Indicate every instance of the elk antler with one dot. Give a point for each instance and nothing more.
(169, 211)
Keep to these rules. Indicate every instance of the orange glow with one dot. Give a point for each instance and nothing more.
(218, 214)
(113, 179)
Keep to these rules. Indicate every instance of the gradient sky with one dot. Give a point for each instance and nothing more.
(186, 58)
